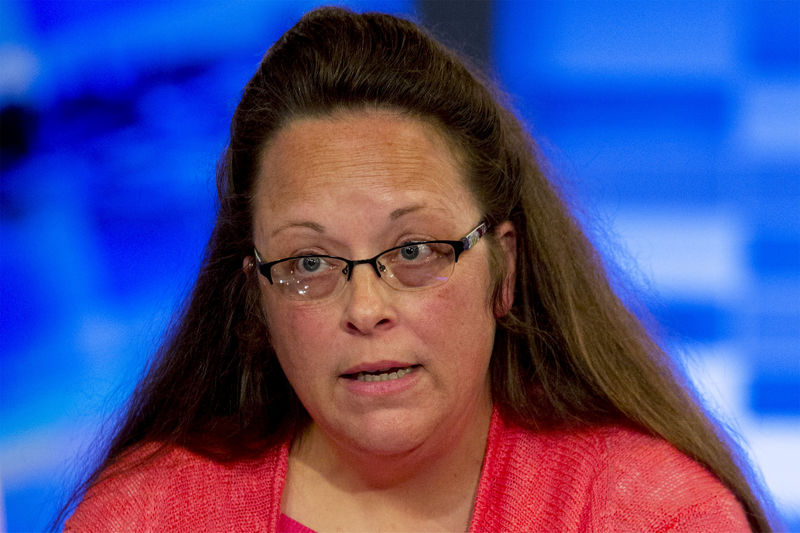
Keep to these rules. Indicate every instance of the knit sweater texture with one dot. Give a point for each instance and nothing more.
(594, 479)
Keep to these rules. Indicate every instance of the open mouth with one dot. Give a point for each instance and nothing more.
(382, 375)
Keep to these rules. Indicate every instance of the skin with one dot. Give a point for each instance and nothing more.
(353, 184)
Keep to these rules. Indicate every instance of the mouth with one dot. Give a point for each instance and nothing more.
(383, 374)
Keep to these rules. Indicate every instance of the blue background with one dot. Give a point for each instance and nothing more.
(674, 127)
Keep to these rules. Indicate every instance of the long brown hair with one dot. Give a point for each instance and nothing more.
(568, 353)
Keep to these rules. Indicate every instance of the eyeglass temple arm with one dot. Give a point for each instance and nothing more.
(262, 266)
(474, 235)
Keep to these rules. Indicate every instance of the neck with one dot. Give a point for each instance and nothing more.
(462, 445)
(440, 476)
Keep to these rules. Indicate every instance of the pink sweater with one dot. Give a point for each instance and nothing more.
(595, 479)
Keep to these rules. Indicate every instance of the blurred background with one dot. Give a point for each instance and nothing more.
(673, 126)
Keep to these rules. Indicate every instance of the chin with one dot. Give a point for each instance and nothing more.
(388, 434)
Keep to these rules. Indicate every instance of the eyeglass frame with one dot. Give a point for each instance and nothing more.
(459, 247)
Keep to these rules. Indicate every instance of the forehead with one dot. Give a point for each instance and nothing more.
(373, 157)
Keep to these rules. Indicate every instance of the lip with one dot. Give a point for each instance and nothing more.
(377, 366)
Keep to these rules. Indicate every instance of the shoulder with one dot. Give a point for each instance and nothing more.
(603, 478)
(154, 488)
(643, 482)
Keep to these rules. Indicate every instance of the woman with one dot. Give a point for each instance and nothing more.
(399, 327)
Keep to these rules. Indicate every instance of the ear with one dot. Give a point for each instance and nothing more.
(248, 263)
(507, 236)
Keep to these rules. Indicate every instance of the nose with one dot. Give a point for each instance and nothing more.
(368, 307)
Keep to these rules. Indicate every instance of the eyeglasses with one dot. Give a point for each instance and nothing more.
(410, 266)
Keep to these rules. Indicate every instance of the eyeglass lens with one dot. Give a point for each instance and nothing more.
(411, 266)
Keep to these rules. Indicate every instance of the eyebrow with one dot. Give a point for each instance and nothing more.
(319, 228)
(397, 213)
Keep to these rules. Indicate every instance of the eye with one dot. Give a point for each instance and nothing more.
(413, 252)
(410, 252)
(309, 264)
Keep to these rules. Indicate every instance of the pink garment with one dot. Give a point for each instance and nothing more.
(289, 525)
(593, 479)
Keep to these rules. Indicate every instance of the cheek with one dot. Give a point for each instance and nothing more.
(458, 321)
(296, 334)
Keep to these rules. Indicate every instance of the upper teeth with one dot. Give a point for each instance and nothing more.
(363, 376)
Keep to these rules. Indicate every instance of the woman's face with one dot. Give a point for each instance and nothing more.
(352, 185)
